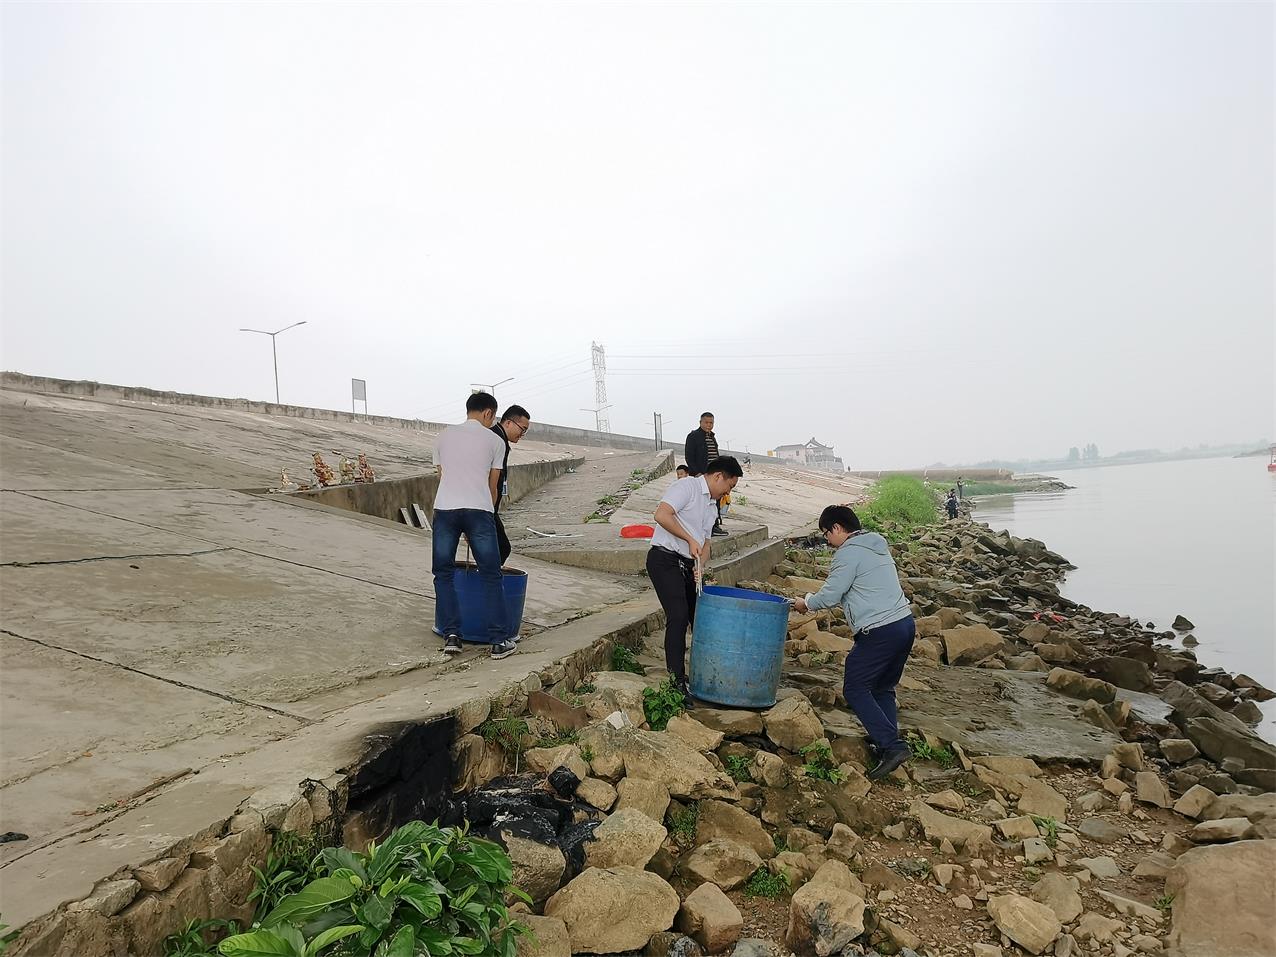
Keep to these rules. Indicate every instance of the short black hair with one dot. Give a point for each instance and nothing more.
(839, 515)
(706, 415)
(727, 465)
(480, 402)
(516, 412)
(682, 467)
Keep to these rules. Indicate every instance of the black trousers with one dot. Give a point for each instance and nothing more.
(502, 540)
(674, 580)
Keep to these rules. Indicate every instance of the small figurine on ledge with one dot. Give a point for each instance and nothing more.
(323, 472)
(365, 470)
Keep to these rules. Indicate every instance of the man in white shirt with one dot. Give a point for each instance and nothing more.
(685, 520)
(469, 458)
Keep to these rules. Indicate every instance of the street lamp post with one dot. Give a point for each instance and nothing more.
(485, 387)
(274, 355)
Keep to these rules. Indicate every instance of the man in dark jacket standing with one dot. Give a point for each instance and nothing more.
(512, 427)
(701, 449)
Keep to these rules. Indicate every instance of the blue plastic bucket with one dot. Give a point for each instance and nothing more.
(469, 592)
(737, 647)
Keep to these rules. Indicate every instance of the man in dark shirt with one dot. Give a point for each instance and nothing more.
(514, 424)
(701, 449)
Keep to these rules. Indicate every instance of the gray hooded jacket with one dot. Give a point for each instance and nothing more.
(864, 582)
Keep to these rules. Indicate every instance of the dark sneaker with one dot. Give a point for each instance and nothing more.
(452, 645)
(720, 532)
(503, 650)
(687, 701)
(890, 761)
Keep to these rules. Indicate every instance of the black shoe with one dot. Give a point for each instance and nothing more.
(452, 645)
(503, 650)
(719, 531)
(681, 685)
(889, 762)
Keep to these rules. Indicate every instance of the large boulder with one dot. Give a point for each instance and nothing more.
(725, 863)
(1219, 740)
(793, 724)
(538, 868)
(1123, 672)
(616, 691)
(1029, 923)
(628, 837)
(693, 733)
(970, 643)
(1059, 893)
(734, 724)
(1223, 901)
(650, 797)
(1076, 685)
(683, 770)
(709, 916)
(548, 937)
(610, 910)
(718, 819)
(1042, 800)
(1258, 809)
(943, 827)
(823, 919)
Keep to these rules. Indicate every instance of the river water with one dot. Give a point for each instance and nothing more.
(1196, 538)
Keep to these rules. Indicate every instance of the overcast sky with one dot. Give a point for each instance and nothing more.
(918, 232)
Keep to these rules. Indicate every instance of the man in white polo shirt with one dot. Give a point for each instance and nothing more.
(685, 520)
(469, 458)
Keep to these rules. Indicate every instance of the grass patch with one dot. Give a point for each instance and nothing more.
(558, 739)
(510, 733)
(737, 766)
(622, 659)
(1049, 829)
(585, 688)
(1164, 903)
(586, 753)
(922, 751)
(682, 824)
(661, 704)
(898, 504)
(987, 488)
(765, 884)
(191, 942)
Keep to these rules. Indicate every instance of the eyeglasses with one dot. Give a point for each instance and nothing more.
(522, 429)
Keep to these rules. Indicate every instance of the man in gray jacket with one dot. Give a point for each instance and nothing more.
(863, 580)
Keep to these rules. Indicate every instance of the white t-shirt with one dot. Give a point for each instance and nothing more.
(695, 511)
(467, 454)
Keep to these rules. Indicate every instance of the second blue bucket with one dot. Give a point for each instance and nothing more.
(469, 592)
(737, 647)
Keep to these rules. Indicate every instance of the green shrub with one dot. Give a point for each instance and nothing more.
(763, 883)
(425, 891)
(922, 751)
(289, 866)
(682, 824)
(7, 937)
(737, 766)
(661, 704)
(898, 503)
(820, 763)
(509, 732)
(623, 659)
(190, 941)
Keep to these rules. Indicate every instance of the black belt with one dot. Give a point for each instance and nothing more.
(678, 555)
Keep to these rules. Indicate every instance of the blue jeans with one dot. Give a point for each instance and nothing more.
(480, 528)
(873, 669)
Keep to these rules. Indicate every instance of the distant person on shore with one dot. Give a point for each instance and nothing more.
(701, 449)
(961, 488)
(951, 504)
(863, 580)
(684, 527)
(469, 459)
(514, 424)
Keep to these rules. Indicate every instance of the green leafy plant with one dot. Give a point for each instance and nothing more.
(585, 688)
(923, 751)
(737, 766)
(898, 505)
(820, 657)
(608, 500)
(1164, 903)
(289, 867)
(661, 704)
(586, 753)
(425, 890)
(763, 883)
(623, 659)
(1049, 829)
(510, 732)
(192, 940)
(820, 763)
(557, 739)
(682, 824)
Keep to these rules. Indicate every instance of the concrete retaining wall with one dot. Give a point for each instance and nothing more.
(384, 499)
(544, 432)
